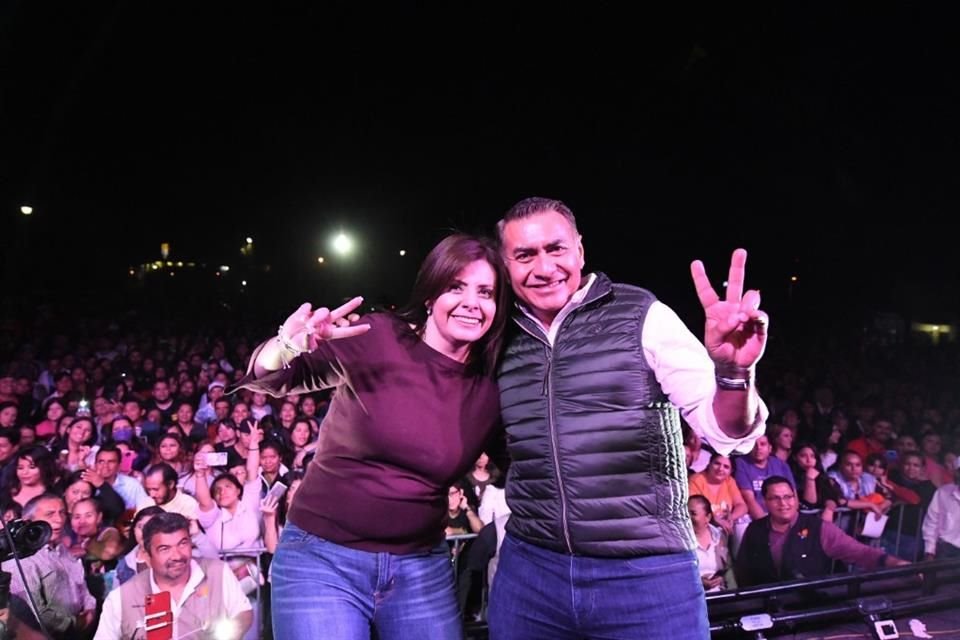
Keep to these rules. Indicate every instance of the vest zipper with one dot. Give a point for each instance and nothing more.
(547, 390)
(555, 440)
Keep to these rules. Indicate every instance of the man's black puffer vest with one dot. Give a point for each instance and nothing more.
(803, 556)
(597, 465)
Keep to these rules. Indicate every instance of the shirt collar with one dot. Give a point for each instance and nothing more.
(575, 301)
(196, 576)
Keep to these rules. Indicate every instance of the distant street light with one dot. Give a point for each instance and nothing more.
(343, 244)
(26, 210)
(249, 240)
(403, 252)
(320, 260)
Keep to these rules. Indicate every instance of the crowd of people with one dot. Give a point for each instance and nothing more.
(331, 464)
(865, 483)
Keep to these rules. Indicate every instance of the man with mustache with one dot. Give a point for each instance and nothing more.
(204, 594)
(788, 545)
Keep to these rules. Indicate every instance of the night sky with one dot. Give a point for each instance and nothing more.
(790, 131)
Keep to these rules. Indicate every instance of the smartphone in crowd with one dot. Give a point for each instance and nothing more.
(218, 459)
(277, 490)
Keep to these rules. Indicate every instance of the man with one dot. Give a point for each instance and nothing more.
(207, 411)
(9, 445)
(161, 399)
(599, 543)
(226, 440)
(134, 411)
(107, 468)
(9, 414)
(876, 440)
(160, 481)
(195, 430)
(55, 578)
(240, 412)
(7, 393)
(752, 470)
(903, 533)
(62, 385)
(104, 411)
(204, 594)
(786, 545)
(941, 525)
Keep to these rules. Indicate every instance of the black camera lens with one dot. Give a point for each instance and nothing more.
(34, 535)
(27, 538)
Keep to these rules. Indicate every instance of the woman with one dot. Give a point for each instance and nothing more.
(814, 488)
(89, 536)
(482, 475)
(171, 450)
(877, 466)
(188, 484)
(52, 412)
(717, 485)
(135, 559)
(59, 440)
(260, 406)
(274, 511)
(493, 504)
(288, 412)
(857, 490)
(902, 535)
(462, 515)
(931, 446)
(713, 555)
(272, 468)
(80, 450)
(308, 406)
(87, 483)
(35, 475)
(300, 445)
(415, 403)
(781, 439)
(230, 512)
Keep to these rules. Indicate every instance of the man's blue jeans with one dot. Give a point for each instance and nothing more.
(325, 590)
(543, 594)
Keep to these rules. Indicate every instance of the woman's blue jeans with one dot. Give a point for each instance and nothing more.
(540, 594)
(325, 590)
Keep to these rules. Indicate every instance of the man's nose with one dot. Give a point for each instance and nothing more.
(543, 263)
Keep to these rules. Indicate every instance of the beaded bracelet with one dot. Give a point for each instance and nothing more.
(286, 348)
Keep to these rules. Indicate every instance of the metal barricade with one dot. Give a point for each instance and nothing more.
(257, 554)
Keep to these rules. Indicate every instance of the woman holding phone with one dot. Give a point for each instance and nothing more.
(414, 404)
(713, 554)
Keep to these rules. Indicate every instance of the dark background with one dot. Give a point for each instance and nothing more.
(821, 138)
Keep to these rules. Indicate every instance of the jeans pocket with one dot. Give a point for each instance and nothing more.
(294, 536)
(668, 563)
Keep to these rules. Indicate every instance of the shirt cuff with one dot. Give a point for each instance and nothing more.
(720, 441)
